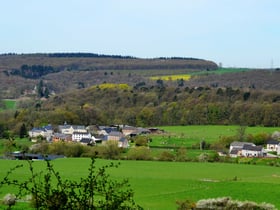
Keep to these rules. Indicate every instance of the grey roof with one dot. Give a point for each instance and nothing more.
(76, 132)
(86, 140)
(116, 133)
(240, 144)
(252, 148)
(272, 141)
(234, 151)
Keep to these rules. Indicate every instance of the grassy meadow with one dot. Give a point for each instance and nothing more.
(188, 136)
(158, 185)
(8, 104)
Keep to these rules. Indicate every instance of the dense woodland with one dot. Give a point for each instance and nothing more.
(150, 106)
(129, 96)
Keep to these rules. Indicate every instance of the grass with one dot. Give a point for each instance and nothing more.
(158, 185)
(188, 136)
(187, 74)
(18, 141)
(8, 104)
(222, 71)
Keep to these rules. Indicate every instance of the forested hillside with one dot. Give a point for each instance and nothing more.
(134, 96)
(19, 74)
(88, 61)
(150, 106)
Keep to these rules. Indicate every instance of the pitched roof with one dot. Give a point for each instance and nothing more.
(252, 148)
(234, 151)
(86, 140)
(116, 133)
(240, 144)
(272, 141)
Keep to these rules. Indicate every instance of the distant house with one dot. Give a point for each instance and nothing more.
(45, 132)
(253, 151)
(57, 137)
(70, 129)
(272, 145)
(116, 136)
(235, 153)
(77, 136)
(134, 131)
(128, 130)
(246, 149)
(87, 141)
(237, 145)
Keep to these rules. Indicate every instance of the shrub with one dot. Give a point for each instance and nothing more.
(9, 200)
(96, 191)
(166, 156)
(141, 140)
(226, 203)
(110, 150)
(139, 153)
(185, 205)
(181, 154)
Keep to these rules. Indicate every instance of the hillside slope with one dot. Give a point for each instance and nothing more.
(86, 61)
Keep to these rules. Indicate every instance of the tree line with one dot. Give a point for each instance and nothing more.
(33, 71)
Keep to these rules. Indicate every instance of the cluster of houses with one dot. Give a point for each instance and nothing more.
(90, 135)
(248, 149)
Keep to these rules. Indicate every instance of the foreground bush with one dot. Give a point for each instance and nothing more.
(96, 191)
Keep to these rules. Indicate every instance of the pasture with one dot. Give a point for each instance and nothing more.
(188, 136)
(8, 104)
(158, 185)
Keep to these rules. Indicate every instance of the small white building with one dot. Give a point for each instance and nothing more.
(246, 149)
(70, 129)
(272, 145)
(77, 136)
(45, 131)
(252, 151)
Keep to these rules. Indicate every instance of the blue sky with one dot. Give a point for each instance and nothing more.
(236, 33)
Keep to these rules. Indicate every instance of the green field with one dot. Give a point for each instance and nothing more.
(8, 104)
(158, 185)
(191, 135)
(222, 71)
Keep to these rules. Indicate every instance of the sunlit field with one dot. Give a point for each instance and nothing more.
(158, 185)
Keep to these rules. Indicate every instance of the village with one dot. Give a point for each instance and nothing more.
(90, 135)
(93, 135)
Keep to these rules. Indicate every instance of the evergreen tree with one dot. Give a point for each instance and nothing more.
(22, 131)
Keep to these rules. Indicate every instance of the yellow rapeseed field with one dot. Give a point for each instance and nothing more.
(172, 77)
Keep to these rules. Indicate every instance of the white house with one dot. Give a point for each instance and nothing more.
(272, 145)
(246, 149)
(77, 136)
(237, 145)
(70, 129)
(253, 151)
(45, 131)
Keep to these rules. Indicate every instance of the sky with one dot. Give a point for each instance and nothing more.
(232, 33)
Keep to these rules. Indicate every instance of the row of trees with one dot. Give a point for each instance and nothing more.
(34, 71)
